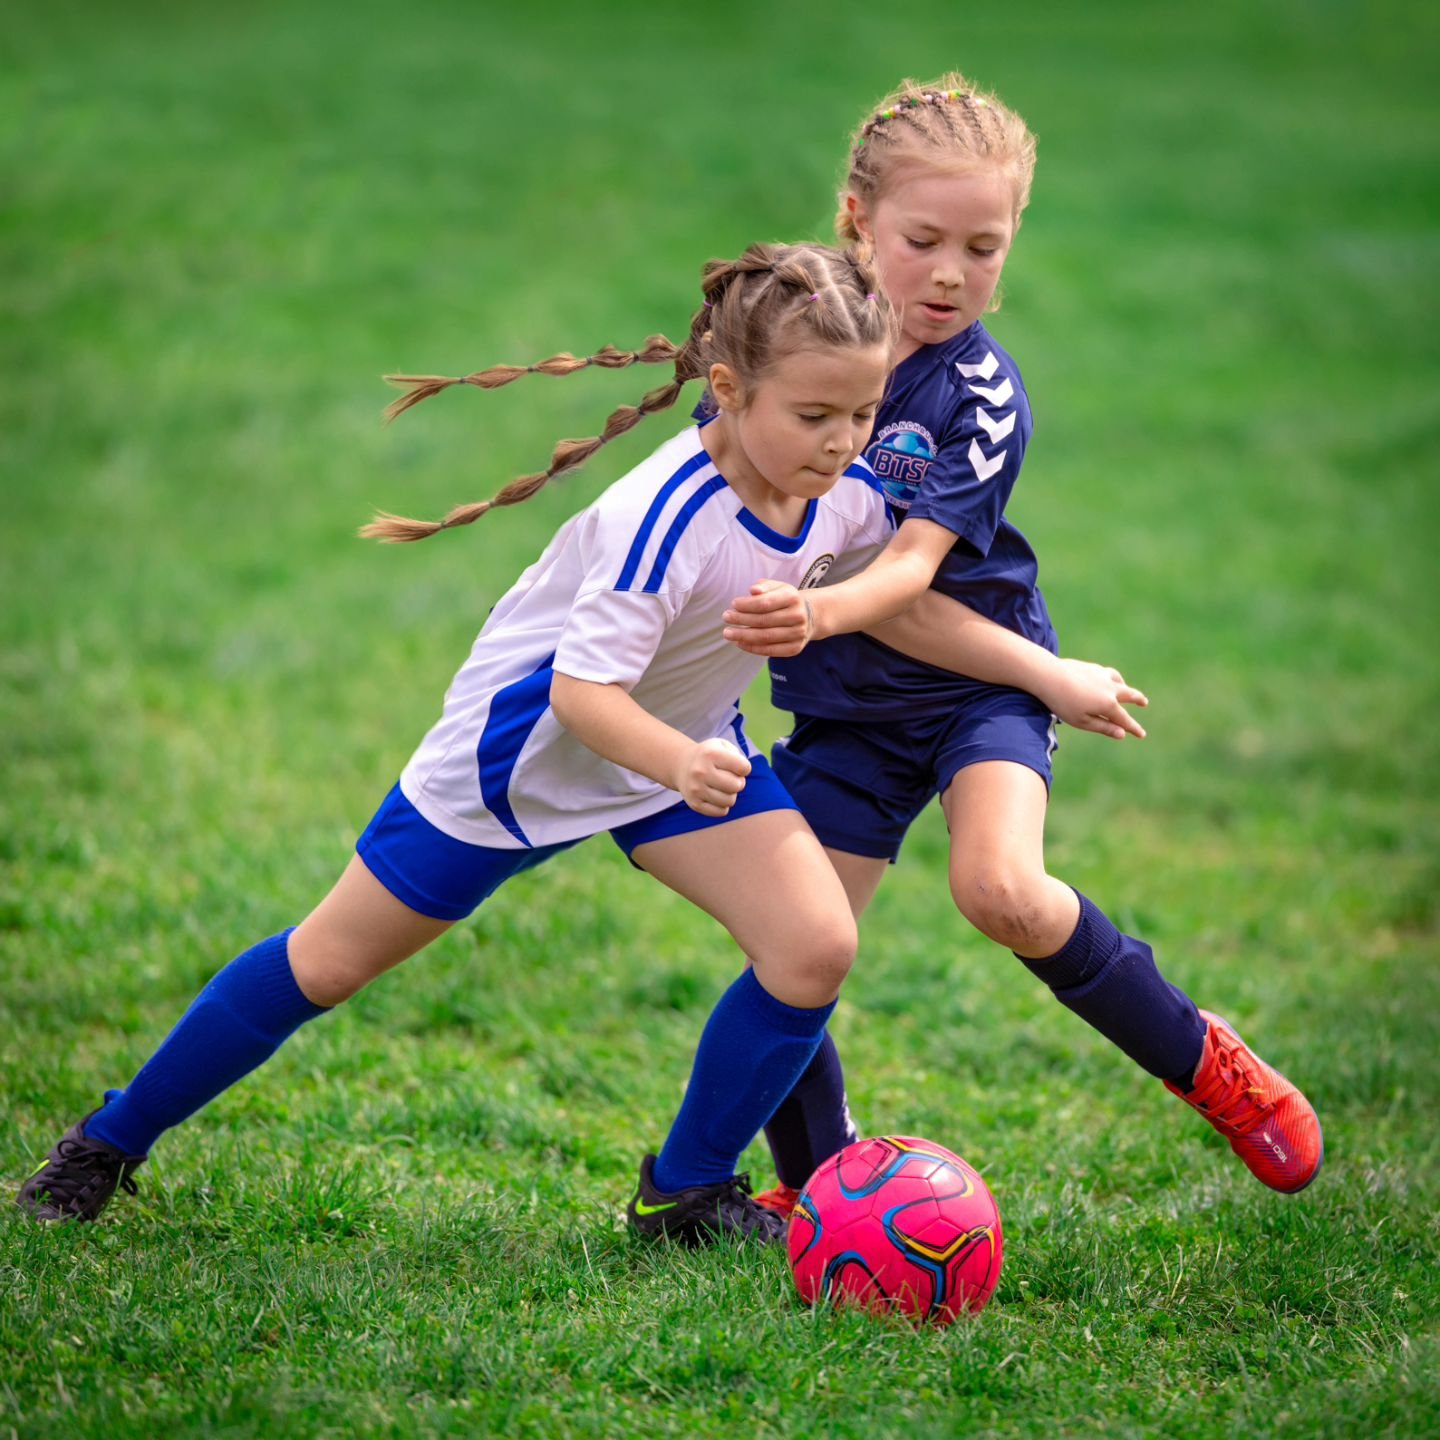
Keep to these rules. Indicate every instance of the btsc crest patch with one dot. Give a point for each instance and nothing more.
(900, 455)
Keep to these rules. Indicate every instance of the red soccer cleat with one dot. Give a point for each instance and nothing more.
(782, 1199)
(1270, 1125)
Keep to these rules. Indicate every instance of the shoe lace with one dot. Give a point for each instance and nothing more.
(736, 1202)
(79, 1166)
(737, 1190)
(1229, 1095)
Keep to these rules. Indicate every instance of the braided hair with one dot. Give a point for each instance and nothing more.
(772, 300)
(946, 122)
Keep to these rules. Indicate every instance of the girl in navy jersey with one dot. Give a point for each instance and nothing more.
(938, 178)
(600, 695)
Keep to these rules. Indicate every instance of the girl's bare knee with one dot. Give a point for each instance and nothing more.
(324, 976)
(1002, 904)
(329, 970)
(809, 972)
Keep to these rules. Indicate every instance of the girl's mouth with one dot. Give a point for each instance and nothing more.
(937, 311)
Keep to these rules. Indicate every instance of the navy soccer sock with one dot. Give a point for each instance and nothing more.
(236, 1022)
(1110, 981)
(753, 1049)
(813, 1121)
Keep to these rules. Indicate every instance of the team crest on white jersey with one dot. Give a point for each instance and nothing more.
(900, 455)
(816, 573)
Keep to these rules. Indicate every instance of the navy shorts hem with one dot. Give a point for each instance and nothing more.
(862, 784)
(949, 772)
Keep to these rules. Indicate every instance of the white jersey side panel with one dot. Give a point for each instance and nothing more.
(629, 592)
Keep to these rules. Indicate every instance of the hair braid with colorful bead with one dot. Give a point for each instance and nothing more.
(945, 124)
(768, 303)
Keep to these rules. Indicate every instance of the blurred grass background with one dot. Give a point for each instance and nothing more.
(219, 226)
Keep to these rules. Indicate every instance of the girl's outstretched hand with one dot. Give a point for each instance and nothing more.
(773, 619)
(1094, 697)
(711, 775)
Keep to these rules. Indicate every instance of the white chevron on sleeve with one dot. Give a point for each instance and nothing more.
(1000, 395)
(997, 430)
(983, 371)
(984, 468)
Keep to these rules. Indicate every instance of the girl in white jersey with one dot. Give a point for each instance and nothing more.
(601, 695)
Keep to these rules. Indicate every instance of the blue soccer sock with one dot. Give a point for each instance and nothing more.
(1110, 981)
(236, 1022)
(813, 1121)
(753, 1049)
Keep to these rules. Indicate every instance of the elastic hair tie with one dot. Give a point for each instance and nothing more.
(816, 295)
(870, 298)
(708, 304)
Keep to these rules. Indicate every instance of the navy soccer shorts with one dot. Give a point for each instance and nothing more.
(861, 785)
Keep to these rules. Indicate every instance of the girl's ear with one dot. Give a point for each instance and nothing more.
(725, 386)
(859, 216)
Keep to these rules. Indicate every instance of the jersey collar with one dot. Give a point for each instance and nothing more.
(947, 354)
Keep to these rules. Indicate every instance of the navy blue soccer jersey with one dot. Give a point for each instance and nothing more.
(948, 443)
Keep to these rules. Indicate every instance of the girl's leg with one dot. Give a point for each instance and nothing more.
(260, 998)
(996, 814)
(996, 811)
(356, 933)
(813, 1121)
(860, 875)
(766, 879)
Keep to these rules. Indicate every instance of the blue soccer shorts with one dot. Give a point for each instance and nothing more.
(861, 785)
(446, 878)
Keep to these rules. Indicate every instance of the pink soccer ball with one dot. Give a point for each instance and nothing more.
(897, 1224)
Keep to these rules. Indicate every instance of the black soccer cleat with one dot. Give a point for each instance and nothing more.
(78, 1178)
(703, 1213)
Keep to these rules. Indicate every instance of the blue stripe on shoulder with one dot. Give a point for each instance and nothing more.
(677, 528)
(514, 713)
(865, 473)
(642, 536)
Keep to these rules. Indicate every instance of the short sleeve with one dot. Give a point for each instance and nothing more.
(611, 636)
(872, 530)
(968, 483)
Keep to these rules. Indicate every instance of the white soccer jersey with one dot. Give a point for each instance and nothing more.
(631, 592)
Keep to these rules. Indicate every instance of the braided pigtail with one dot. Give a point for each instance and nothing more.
(770, 301)
(657, 350)
(568, 455)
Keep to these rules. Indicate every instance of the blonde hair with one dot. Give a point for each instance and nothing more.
(772, 301)
(943, 124)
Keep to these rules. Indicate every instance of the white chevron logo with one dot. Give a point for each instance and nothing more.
(997, 430)
(984, 468)
(1000, 395)
(983, 371)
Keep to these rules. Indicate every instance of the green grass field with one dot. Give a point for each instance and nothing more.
(219, 226)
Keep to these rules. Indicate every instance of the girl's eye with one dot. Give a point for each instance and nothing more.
(812, 417)
(984, 254)
(918, 244)
(865, 416)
